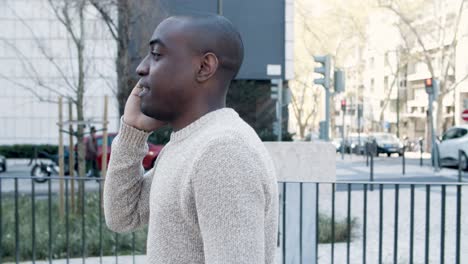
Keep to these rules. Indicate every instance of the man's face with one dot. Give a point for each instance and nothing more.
(167, 72)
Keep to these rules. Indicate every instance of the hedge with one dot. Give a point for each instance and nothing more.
(26, 151)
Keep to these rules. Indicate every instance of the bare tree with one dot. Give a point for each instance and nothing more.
(120, 17)
(336, 31)
(429, 41)
(305, 115)
(71, 15)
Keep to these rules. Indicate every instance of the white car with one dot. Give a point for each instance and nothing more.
(453, 140)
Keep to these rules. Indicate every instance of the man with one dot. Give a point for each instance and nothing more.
(212, 195)
(91, 153)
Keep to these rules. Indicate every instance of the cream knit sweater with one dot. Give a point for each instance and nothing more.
(211, 197)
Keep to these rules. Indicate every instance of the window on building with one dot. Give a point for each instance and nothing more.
(372, 84)
(371, 62)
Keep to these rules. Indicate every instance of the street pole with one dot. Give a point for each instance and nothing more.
(327, 113)
(398, 110)
(279, 110)
(220, 7)
(342, 136)
(434, 153)
(398, 96)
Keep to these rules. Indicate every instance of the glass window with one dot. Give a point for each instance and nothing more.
(450, 134)
(461, 132)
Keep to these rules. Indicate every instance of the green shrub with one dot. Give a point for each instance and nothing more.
(59, 249)
(26, 151)
(341, 229)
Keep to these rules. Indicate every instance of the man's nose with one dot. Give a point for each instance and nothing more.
(143, 68)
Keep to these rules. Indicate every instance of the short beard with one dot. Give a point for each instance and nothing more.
(158, 115)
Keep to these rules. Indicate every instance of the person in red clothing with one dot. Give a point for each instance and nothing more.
(91, 154)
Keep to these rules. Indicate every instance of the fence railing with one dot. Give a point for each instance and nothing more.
(398, 222)
(340, 222)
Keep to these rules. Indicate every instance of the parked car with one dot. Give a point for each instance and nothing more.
(453, 140)
(357, 143)
(3, 165)
(387, 143)
(148, 160)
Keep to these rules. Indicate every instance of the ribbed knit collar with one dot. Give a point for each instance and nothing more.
(220, 114)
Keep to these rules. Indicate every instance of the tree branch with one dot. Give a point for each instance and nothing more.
(107, 19)
(416, 34)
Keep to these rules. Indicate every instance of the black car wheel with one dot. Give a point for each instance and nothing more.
(3, 168)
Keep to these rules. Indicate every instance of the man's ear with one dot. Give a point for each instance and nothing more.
(208, 66)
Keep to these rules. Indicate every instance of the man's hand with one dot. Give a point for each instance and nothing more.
(133, 115)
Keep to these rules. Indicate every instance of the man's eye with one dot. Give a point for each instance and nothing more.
(155, 54)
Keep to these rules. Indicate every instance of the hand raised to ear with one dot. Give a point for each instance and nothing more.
(133, 115)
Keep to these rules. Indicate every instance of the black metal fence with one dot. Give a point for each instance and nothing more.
(343, 222)
(395, 223)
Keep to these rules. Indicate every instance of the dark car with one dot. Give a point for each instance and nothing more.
(357, 144)
(387, 143)
(3, 165)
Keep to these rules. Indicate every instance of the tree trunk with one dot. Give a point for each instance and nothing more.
(124, 85)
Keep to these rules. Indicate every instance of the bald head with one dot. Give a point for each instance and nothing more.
(216, 34)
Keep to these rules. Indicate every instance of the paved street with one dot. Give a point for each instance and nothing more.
(21, 170)
(389, 169)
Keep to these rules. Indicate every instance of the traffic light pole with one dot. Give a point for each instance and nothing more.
(434, 152)
(327, 114)
(279, 109)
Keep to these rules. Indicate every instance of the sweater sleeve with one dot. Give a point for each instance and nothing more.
(230, 204)
(127, 188)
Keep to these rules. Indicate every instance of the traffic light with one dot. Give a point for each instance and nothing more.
(324, 70)
(339, 81)
(323, 130)
(343, 105)
(429, 85)
(274, 89)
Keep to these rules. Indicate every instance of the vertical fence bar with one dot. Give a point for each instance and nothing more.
(1, 222)
(83, 231)
(457, 251)
(316, 220)
(284, 223)
(411, 242)
(395, 237)
(348, 223)
(67, 219)
(380, 221)
(333, 225)
(372, 171)
(300, 221)
(17, 248)
(133, 247)
(364, 226)
(49, 205)
(442, 226)
(100, 221)
(33, 220)
(116, 248)
(428, 222)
